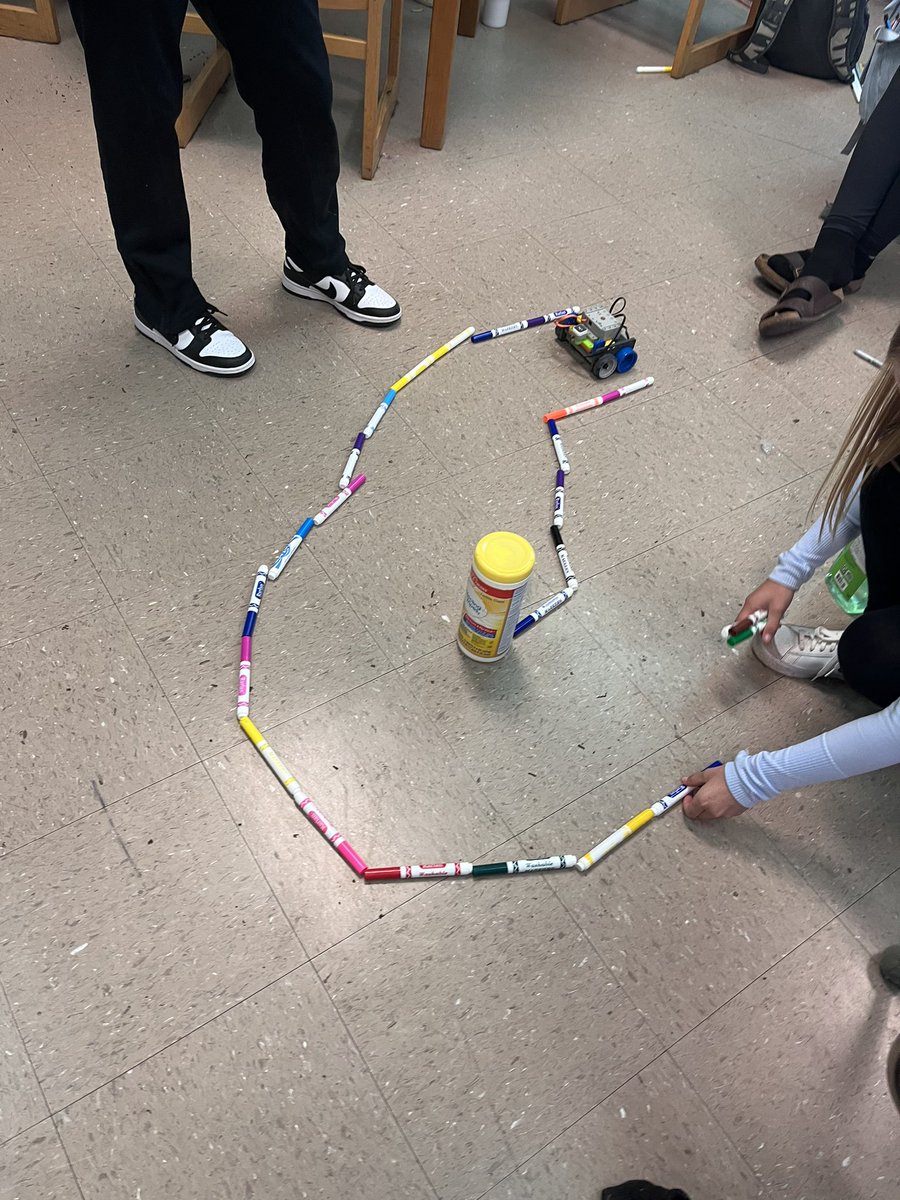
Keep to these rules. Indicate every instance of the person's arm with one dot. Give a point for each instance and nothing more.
(852, 749)
(798, 565)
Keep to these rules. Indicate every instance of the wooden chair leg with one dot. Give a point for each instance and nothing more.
(36, 24)
(394, 34)
(371, 86)
(467, 25)
(200, 93)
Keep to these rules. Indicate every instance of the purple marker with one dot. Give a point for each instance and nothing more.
(558, 447)
(559, 499)
(353, 459)
(525, 323)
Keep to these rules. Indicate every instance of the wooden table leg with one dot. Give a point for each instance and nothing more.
(468, 17)
(441, 44)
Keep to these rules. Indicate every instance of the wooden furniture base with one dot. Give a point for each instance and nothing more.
(36, 24)
(690, 56)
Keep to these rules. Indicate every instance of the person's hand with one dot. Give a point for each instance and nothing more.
(712, 799)
(774, 598)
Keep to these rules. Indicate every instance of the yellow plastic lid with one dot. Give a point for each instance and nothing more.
(504, 557)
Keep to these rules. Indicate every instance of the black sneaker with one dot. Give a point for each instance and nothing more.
(206, 345)
(352, 292)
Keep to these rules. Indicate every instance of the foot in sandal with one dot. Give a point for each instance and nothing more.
(781, 270)
(807, 300)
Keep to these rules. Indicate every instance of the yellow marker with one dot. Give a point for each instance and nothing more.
(432, 359)
(643, 818)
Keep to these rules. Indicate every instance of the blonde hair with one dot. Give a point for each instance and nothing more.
(871, 442)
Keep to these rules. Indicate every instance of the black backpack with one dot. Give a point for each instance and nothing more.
(820, 38)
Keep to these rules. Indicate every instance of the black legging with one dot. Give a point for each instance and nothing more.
(281, 70)
(867, 205)
(869, 649)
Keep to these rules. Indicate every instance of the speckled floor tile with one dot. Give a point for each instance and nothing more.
(16, 461)
(875, 918)
(381, 772)
(21, 1102)
(817, 1031)
(158, 920)
(86, 724)
(33, 1166)
(488, 1072)
(81, 409)
(548, 723)
(50, 300)
(276, 1099)
(168, 511)
(715, 903)
(50, 575)
(308, 646)
(842, 837)
(654, 1127)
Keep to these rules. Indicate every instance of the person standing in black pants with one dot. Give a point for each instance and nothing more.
(864, 219)
(133, 59)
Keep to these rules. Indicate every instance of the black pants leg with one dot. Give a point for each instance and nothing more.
(868, 197)
(281, 70)
(869, 649)
(133, 64)
(134, 69)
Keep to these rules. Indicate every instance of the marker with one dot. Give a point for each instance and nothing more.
(742, 630)
(302, 801)
(558, 447)
(562, 555)
(559, 499)
(243, 693)
(375, 419)
(559, 862)
(291, 548)
(653, 70)
(432, 359)
(256, 595)
(417, 871)
(525, 323)
(353, 459)
(545, 609)
(584, 405)
(625, 831)
(873, 362)
(341, 498)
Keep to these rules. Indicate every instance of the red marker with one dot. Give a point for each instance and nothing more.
(417, 871)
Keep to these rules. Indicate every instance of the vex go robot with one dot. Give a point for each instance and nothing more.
(599, 337)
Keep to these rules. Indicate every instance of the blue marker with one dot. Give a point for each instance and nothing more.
(256, 595)
(544, 610)
(291, 548)
(353, 459)
(379, 412)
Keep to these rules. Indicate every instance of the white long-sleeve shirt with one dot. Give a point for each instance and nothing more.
(851, 749)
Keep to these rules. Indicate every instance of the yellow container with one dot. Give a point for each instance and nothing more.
(501, 568)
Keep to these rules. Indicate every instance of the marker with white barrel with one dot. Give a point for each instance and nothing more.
(545, 609)
(559, 500)
(563, 556)
(341, 498)
(353, 459)
(559, 862)
(417, 871)
(558, 448)
(292, 547)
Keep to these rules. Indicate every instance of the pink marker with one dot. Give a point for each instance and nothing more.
(341, 498)
(638, 386)
(243, 695)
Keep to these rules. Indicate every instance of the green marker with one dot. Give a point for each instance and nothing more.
(741, 637)
(559, 862)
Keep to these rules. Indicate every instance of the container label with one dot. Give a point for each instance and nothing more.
(489, 617)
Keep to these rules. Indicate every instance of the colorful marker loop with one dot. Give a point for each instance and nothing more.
(348, 486)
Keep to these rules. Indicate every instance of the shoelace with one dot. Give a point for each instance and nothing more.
(206, 324)
(820, 641)
(357, 278)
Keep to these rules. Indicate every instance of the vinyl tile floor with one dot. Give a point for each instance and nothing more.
(198, 999)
